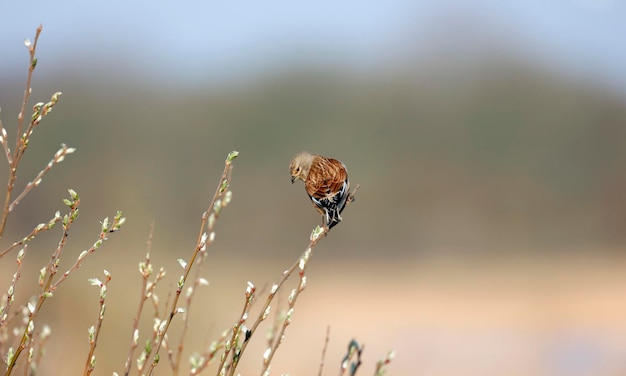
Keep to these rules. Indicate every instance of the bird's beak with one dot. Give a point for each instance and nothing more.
(293, 179)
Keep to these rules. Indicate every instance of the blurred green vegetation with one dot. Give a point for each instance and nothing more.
(495, 157)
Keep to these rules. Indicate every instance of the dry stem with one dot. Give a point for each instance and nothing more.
(20, 142)
(319, 373)
(209, 218)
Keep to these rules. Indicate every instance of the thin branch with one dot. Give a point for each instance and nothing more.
(198, 281)
(59, 156)
(47, 275)
(319, 373)
(10, 296)
(106, 229)
(31, 68)
(276, 324)
(19, 141)
(95, 331)
(265, 310)
(145, 268)
(40, 344)
(293, 297)
(220, 199)
(40, 228)
(301, 263)
(5, 144)
(231, 346)
(200, 363)
(45, 283)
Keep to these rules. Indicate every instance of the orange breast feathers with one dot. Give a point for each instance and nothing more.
(326, 177)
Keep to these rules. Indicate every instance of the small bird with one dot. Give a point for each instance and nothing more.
(326, 183)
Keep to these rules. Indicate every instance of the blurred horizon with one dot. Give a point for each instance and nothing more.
(488, 137)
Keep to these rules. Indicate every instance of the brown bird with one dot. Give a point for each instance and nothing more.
(326, 183)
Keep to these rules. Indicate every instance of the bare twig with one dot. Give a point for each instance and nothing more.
(198, 281)
(145, 268)
(189, 294)
(20, 142)
(265, 310)
(95, 331)
(231, 346)
(118, 221)
(301, 263)
(326, 340)
(221, 198)
(10, 297)
(279, 315)
(41, 227)
(199, 363)
(5, 143)
(40, 340)
(22, 138)
(59, 156)
(47, 274)
(45, 280)
(293, 297)
(352, 195)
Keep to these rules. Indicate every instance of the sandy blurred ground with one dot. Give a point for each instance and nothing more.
(532, 316)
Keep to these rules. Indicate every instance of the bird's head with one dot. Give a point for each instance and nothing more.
(300, 166)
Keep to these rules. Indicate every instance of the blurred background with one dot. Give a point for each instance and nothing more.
(488, 137)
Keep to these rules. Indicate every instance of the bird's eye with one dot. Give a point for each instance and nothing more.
(297, 169)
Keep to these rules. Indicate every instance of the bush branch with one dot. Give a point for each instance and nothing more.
(221, 198)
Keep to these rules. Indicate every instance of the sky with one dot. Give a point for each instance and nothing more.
(179, 41)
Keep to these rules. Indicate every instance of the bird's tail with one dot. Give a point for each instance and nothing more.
(333, 212)
(332, 217)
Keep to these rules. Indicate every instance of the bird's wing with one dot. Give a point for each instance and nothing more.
(327, 178)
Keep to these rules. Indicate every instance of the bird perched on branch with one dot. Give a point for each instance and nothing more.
(326, 183)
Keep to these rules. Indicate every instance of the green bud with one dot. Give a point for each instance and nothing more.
(232, 155)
